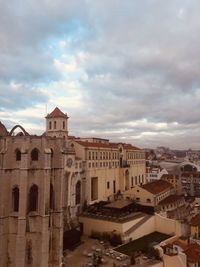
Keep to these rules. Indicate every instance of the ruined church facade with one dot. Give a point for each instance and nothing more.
(35, 203)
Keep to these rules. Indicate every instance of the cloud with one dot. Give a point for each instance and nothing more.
(121, 70)
(18, 96)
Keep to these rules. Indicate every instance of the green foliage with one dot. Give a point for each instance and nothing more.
(106, 236)
(96, 260)
(95, 235)
(153, 253)
(115, 240)
(133, 260)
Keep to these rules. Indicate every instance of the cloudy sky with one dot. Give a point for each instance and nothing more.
(124, 70)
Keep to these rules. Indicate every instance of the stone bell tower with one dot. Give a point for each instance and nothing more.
(56, 123)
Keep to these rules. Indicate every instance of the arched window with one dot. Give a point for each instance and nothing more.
(17, 154)
(33, 198)
(29, 257)
(51, 197)
(35, 154)
(50, 125)
(78, 192)
(52, 157)
(15, 198)
(63, 124)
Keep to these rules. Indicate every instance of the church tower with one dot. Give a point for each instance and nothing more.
(56, 123)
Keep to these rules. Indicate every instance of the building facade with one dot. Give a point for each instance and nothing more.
(44, 182)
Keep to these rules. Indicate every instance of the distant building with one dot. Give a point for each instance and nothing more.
(190, 178)
(174, 207)
(172, 179)
(150, 194)
(154, 174)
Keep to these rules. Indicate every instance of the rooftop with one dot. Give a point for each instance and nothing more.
(171, 199)
(56, 113)
(106, 145)
(195, 220)
(157, 187)
(193, 252)
(119, 204)
(97, 145)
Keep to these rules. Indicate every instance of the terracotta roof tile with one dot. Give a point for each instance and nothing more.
(171, 199)
(106, 145)
(129, 146)
(193, 252)
(157, 187)
(195, 220)
(56, 113)
(96, 144)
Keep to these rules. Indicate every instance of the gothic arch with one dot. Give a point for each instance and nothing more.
(17, 154)
(20, 127)
(15, 198)
(35, 154)
(33, 198)
(78, 192)
(51, 198)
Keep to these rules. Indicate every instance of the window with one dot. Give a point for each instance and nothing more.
(94, 188)
(78, 192)
(33, 198)
(15, 198)
(50, 125)
(18, 155)
(63, 125)
(51, 198)
(54, 124)
(132, 181)
(114, 187)
(29, 258)
(108, 185)
(35, 154)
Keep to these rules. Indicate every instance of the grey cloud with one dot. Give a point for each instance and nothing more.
(143, 63)
(16, 97)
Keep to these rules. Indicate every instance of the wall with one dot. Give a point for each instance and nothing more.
(91, 224)
(173, 261)
(141, 194)
(167, 226)
(17, 229)
(144, 229)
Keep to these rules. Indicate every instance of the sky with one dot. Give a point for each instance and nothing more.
(128, 71)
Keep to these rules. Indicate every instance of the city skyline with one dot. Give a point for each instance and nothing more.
(126, 71)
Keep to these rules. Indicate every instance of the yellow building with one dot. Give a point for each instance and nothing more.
(195, 227)
(109, 167)
(172, 179)
(150, 194)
